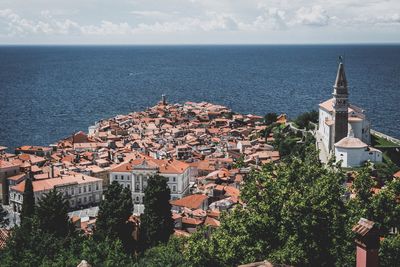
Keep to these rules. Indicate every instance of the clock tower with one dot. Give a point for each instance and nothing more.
(340, 106)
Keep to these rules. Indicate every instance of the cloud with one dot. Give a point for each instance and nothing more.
(382, 20)
(197, 19)
(16, 25)
(153, 14)
(314, 16)
(273, 18)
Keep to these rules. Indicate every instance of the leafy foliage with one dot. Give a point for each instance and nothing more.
(295, 214)
(389, 253)
(270, 118)
(168, 255)
(303, 120)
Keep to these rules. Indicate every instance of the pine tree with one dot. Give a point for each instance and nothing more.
(156, 222)
(52, 213)
(28, 205)
(114, 212)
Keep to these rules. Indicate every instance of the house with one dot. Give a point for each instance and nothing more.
(192, 202)
(80, 190)
(135, 174)
(8, 168)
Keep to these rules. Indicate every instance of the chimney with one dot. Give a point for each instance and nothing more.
(52, 170)
(367, 242)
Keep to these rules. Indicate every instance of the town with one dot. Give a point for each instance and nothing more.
(205, 152)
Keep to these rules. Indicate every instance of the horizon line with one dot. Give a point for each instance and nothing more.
(198, 44)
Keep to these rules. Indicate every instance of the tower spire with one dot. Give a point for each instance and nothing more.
(341, 81)
(340, 104)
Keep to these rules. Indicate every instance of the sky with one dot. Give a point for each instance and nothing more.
(199, 21)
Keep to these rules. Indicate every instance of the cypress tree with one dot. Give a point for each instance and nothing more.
(156, 223)
(28, 204)
(114, 213)
(52, 214)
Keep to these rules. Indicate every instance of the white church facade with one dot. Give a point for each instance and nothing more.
(344, 129)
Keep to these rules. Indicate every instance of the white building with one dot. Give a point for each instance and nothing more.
(80, 190)
(135, 174)
(344, 129)
(353, 152)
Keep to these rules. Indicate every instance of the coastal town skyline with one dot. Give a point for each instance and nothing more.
(199, 22)
(197, 133)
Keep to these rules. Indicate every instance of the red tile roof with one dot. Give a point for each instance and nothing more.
(192, 201)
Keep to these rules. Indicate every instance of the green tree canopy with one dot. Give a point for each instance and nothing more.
(303, 120)
(270, 118)
(28, 204)
(156, 222)
(294, 214)
(52, 213)
(114, 213)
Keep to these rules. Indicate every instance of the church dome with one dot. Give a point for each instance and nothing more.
(351, 142)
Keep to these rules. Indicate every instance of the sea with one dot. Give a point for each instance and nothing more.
(49, 92)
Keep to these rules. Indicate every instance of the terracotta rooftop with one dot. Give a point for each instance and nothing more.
(192, 201)
(351, 142)
(48, 184)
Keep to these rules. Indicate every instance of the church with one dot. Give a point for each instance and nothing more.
(343, 128)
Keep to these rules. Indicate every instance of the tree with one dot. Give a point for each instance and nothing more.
(28, 205)
(52, 214)
(303, 120)
(3, 217)
(389, 252)
(114, 213)
(270, 118)
(294, 214)
(168, 255)
(156, 222)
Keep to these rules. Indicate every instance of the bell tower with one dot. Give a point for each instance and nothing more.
(340, 105)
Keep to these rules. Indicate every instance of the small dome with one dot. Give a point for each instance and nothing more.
(351, 142)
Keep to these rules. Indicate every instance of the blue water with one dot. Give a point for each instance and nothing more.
(47, 93)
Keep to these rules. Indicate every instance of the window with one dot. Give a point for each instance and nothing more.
(97, 186)
(79, 200)
(174, 188)
(80, 190)
(174, 179)
(90, 188)
(122, 177)
(137, 199)
(128, 178)
(84, 189)
(72, 191)
(84, 200)
(137, 186)
(128, 186)
(72, 202)
(90, 198)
